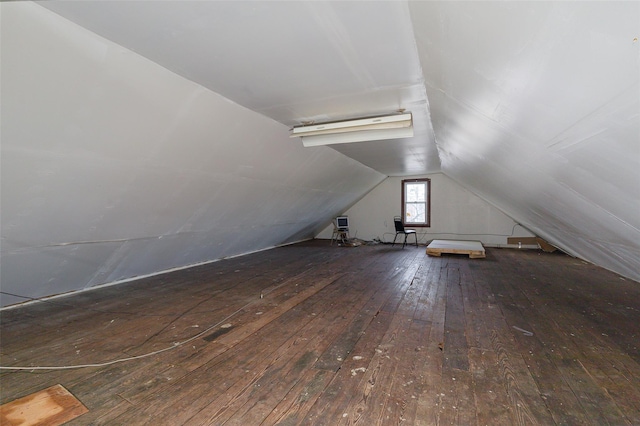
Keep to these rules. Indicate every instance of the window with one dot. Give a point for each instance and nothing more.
(416, 202)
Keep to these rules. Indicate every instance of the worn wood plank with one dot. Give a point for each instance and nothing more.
(555, 394)
(180, 363)
(390, 368)
(431, 369)
(331, 405)
(492, 402)
(233, 370)
(456, 349)
(524, 396)
(590, 386)
(298, 401)
(397, 280)
(295, 354)
(238, 382)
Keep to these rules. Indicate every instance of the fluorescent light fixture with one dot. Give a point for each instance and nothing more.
(358, 130)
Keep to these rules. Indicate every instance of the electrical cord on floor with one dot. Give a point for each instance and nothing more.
(174, 346)
(115, 361)
(66, 305)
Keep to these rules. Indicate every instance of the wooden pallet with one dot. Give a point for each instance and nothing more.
(474, 249)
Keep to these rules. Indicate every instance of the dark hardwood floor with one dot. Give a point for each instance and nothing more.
(326, 335)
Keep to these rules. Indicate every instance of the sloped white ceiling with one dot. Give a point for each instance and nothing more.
(293, 61)
(114, 167)
(535, 107)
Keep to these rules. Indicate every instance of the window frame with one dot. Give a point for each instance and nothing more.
(427, 222)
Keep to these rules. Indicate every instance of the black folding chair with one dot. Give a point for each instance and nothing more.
(397, 221)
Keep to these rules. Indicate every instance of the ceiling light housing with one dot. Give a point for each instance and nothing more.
(358, 130)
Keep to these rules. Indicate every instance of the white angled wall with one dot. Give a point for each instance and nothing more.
(536, 108)
(114, 167)
(455, 214)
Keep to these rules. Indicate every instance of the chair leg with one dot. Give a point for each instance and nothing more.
(394, 240)
(416, 235)
(405, 240)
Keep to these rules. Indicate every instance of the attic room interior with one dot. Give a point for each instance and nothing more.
(168, 252)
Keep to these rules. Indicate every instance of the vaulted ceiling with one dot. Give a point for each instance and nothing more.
(294, 62)
(534, 106)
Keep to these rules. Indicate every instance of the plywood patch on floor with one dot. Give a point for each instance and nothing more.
(51, 407)
(473, 248)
